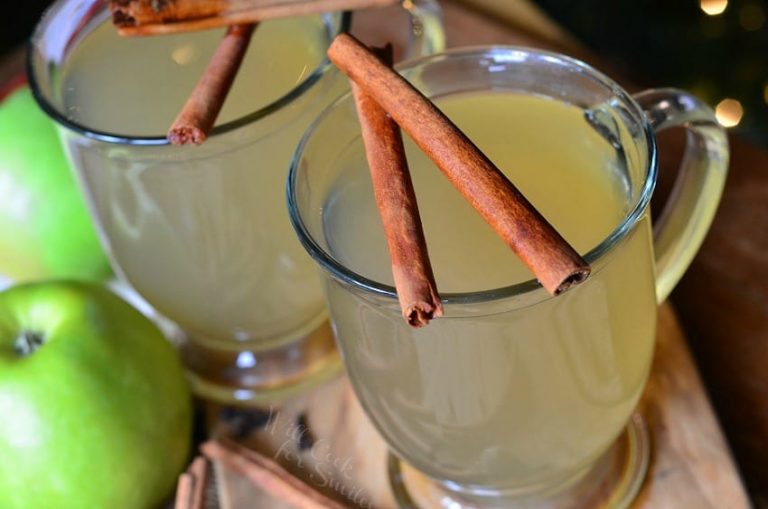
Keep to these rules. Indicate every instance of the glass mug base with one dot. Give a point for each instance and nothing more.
(612, 482)
(238, 376)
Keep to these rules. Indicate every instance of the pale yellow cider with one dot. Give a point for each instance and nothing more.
(202, 232)
(523, 393)
(137, 85)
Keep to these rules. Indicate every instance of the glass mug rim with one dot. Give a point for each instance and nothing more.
(518, 54)
(160, 140)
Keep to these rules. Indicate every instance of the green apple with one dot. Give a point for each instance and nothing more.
(95, 410)
(45, 229)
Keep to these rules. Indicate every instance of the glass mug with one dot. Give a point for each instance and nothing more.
(513, 398)
(202, 233)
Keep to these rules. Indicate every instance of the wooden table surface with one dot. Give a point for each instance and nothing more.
(723, 306)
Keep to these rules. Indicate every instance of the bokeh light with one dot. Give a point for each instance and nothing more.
(729, 112)
(713, 7)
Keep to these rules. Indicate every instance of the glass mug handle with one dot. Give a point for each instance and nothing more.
(680, 228)
(426, 27)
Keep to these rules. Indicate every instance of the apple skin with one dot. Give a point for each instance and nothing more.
(98, 416)
(45, 229)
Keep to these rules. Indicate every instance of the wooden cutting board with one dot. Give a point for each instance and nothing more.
(690, 464)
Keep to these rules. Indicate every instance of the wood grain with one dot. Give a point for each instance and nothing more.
(723, 305)
(690, 464)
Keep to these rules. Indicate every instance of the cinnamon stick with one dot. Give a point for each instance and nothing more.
(554, 262)
(268, 475)
(184, 491)
(197, 117)
(199, 472)
(190, 490)
(154, 17)
(396, 201)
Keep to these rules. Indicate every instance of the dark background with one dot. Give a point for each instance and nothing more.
(676, 43)
(16, 28)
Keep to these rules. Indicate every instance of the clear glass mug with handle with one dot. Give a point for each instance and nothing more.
(202, 233)
(513, 398)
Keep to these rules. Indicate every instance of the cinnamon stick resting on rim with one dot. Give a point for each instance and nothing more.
(268, 475)
(199, 113)
(190, 490)
(199, 471)
(184, 489)
(554, 262)
(396, 200)
(154, 17)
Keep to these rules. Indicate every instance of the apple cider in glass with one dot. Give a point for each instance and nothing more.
(504, 401)
(205, 239)
(202, 232)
